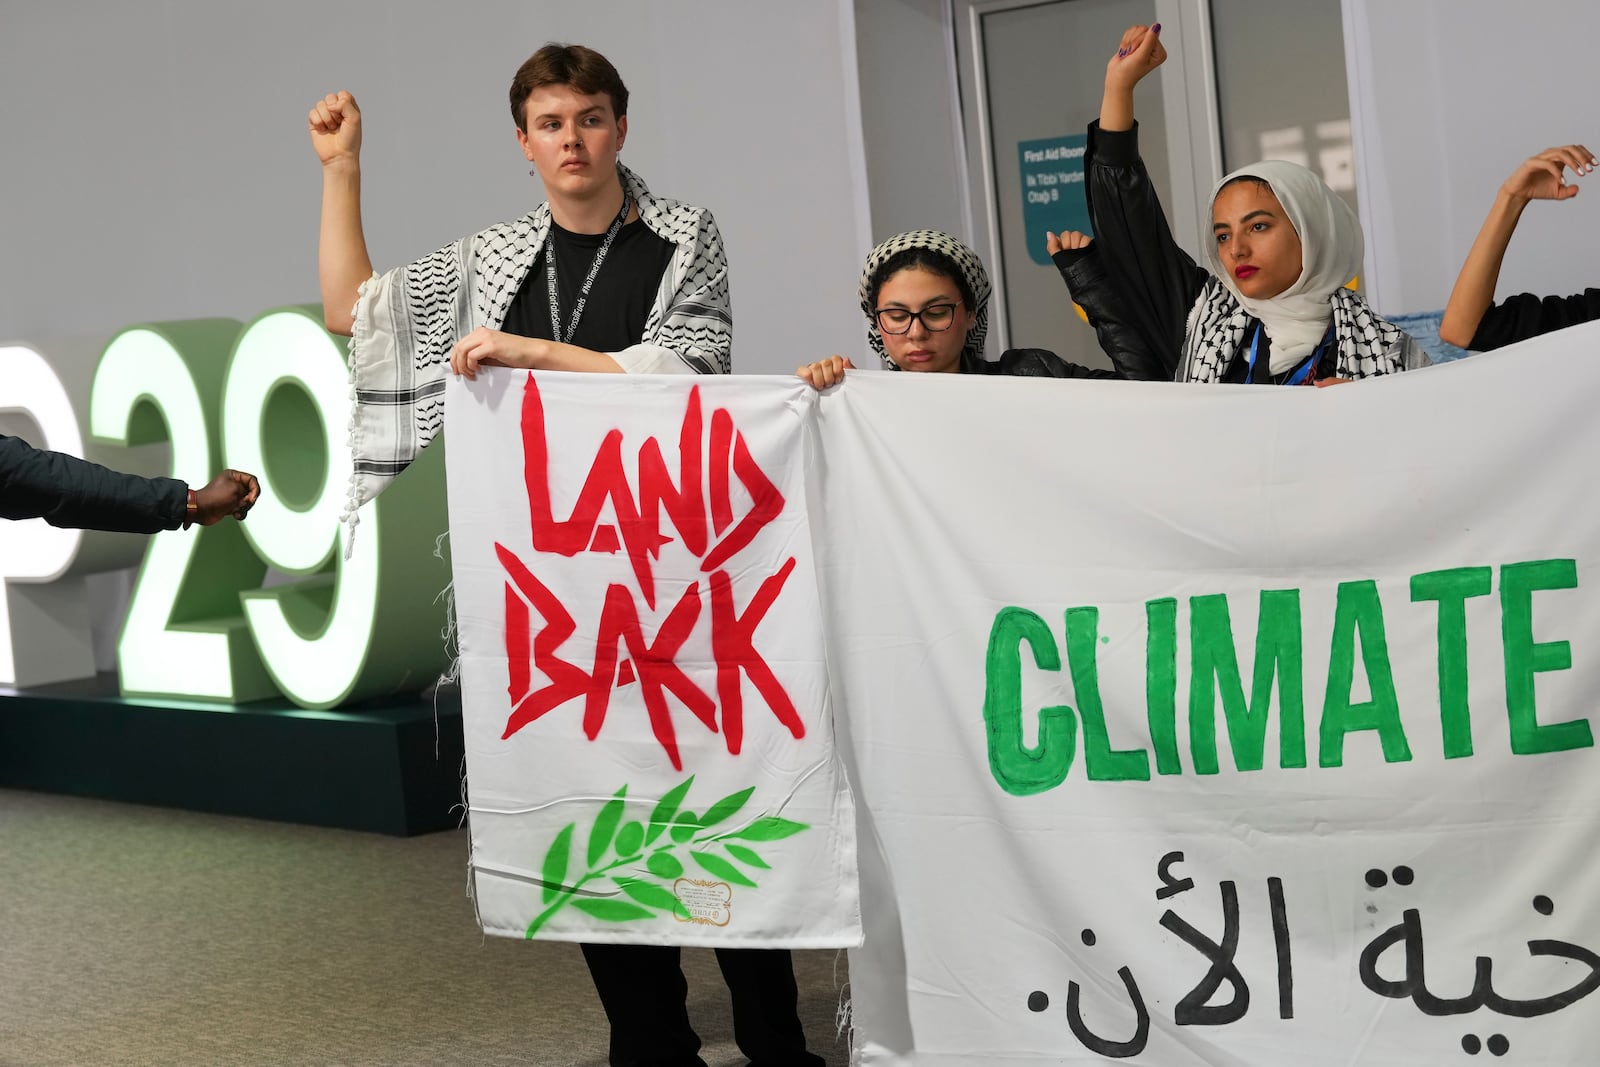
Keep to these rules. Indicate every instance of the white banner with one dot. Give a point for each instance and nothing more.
(1223, 725)
(650, 756)
(1187, 725)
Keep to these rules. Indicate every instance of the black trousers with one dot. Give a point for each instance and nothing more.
(645, 995)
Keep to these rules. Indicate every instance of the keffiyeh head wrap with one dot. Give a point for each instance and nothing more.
(963, 259)
(1331, 248)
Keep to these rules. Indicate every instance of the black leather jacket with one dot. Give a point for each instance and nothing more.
(70, 492)
(1130, 354)
(1031, 363)
(1133, 351)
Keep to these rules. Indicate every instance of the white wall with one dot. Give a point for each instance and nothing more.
(155, 163)
(1447, 97)
(910, 118)
(1298, 49)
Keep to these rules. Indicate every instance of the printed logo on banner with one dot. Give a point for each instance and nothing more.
(640, 869)
(704, 902)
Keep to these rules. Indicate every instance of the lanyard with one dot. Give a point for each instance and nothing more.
(1301, 373)
(588, 283)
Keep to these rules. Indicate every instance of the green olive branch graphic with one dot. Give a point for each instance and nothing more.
(630, 842)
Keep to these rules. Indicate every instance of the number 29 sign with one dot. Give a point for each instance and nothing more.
(237, 611)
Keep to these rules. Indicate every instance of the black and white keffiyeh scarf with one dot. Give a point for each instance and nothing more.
(964, 259)
(407, 321)
(1295, 320)
(1367, 345)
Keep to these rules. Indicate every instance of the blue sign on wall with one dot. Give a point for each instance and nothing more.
(1052, 190)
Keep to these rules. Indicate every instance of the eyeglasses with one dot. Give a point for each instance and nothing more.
(936, 318)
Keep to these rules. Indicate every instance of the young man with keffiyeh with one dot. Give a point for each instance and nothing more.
(639, 284)
(602, 277)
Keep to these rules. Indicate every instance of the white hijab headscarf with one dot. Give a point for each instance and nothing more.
(1331, 249)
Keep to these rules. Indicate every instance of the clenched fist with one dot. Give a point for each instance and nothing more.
(336, 128)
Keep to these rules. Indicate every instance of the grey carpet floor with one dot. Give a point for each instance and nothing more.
(133, 935)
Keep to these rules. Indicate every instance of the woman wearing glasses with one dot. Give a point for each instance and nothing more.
(926, 299)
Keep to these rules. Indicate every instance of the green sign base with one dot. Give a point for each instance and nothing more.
(386, 766)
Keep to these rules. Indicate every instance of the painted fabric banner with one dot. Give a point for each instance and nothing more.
(1186, 725)
(1222, 725)
(650, 755)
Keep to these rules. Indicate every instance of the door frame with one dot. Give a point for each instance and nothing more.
(1194, 139)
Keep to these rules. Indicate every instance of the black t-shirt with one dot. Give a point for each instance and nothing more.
(1239, 372)
(1520, 317)
(619, 301)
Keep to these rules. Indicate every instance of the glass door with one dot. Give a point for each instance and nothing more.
(1031, 77)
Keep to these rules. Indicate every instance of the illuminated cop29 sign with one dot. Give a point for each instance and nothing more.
(236, 611)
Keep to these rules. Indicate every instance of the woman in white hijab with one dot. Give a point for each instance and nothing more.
(1273, 307)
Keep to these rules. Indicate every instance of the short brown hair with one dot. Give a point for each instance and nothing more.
(584, 69)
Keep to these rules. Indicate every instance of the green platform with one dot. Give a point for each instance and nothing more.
(386, 766)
